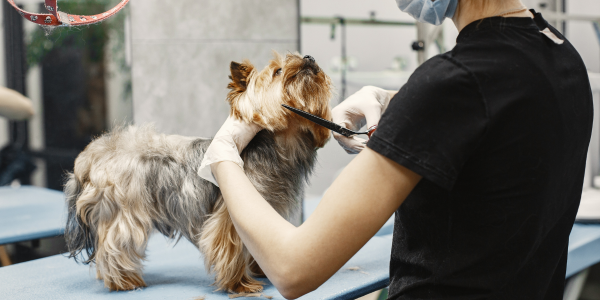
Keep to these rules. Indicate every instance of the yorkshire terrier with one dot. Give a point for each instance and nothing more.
(132, 181)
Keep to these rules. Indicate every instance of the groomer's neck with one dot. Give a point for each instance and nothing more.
(467, 13)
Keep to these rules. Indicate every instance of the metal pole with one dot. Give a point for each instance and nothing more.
(351, 21)
(422, 30)
(14, 45)
(563, 9)
(15, 66)
(299, 29)
(344, 58)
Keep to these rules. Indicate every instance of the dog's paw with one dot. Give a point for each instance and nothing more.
(127, 283)
(248, 286)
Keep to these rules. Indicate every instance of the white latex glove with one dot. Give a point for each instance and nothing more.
(227, 145)
(365, 106)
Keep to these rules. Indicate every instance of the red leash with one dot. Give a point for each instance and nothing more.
(59, 18)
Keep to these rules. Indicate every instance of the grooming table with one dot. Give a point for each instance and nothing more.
(171, 272)
(28, 213)
(584, 248)
(178, 273)
(584, 252)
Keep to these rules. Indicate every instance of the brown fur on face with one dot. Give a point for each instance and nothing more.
(132, 181)
(256, 96)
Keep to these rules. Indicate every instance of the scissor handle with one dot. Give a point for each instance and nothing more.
(371, 130)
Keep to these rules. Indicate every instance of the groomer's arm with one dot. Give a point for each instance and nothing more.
(14, 106)
(298, 260)
(392, 93)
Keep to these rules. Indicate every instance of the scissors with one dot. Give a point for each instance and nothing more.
(58, 18)
(330, 125)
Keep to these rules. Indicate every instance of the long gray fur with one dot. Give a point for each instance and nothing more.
(182, 199)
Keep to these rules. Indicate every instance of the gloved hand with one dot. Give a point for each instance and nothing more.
(227, 145)
(365, 106)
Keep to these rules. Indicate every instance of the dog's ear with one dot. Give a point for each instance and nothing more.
(239, 75)
(241, 107)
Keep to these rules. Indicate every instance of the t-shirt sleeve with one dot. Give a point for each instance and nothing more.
(435, 122)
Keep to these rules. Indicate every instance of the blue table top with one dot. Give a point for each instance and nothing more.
(178, 273)
(584, 248)
(28, 213)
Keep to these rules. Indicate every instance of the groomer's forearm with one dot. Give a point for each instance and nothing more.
(298, 260)
(263, 230)
(392, 93)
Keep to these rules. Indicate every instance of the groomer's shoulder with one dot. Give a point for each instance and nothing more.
(434, 122)
(568, 56)
(442, 78)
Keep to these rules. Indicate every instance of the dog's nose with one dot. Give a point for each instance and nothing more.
(312, 59)
(310, 64)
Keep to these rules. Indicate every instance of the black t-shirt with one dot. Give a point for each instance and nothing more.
(499, 129)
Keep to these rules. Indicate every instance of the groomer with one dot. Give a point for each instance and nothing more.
(481, 155)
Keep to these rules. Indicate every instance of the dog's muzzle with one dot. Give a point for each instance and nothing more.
(310, 64)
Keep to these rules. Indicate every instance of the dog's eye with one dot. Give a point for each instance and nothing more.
(278, 72)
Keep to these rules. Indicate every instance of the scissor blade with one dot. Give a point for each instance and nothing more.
(327, 124)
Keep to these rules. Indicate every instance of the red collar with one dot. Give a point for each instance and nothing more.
(59, 18)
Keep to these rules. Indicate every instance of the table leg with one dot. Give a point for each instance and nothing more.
(574, 285)
(4, 259)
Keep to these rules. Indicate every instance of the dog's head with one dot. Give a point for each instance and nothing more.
(256, 95)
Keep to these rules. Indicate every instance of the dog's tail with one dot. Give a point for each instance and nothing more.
(79, 236)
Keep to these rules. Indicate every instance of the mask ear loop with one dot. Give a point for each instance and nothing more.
(59, 18)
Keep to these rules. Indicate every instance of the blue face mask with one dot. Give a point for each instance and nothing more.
(429, 11)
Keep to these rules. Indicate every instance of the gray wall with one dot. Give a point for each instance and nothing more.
(181, 54)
